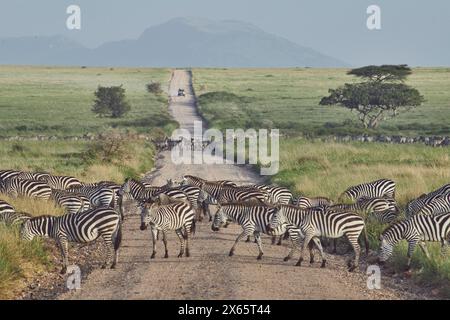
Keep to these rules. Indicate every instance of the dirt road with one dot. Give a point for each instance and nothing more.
(209, 273)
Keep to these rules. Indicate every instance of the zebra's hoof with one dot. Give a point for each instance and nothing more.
(63, 270)
(279, 244)
(298, 264)
(286, 258)
(113, 266)
(311, 261)
(259, 257)
(103, 266)
(231, 254)
(152, 256)
(188, 254)
(180, 255)
(166, 256)
(324, 262)
(351, 268)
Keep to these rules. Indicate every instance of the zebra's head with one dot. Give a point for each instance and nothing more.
(125, 188)
(146, 210)
(389, 238)
(278, 218)
(220, 219)
(349, 194)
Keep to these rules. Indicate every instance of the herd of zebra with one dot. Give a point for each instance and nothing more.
(96, 210)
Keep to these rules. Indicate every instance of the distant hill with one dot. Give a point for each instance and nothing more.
(180, 42)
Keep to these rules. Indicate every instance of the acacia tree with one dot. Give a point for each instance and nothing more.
(383, 95)
(110, 101)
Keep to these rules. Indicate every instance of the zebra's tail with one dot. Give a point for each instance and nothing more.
(193, 227)
(366, 241)
(118, 236)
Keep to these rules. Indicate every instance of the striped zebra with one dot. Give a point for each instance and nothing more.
(9, 174)
(26, 188)
(72, 202)
(306, 202)
(196, 181)
(9, 216)
(39, 176)
(81, 227)
(177, 216)
(383, 210)
(14, 218)
(99, 196)
(139, 192)
(415, 205)
(277, 195)
(379, 188)
(316, 224)
(254, 220)
(437, 206)
(62, 182)
(415, 230)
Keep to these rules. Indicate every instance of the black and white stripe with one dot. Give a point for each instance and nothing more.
(437, 206)
(9, 216)
(316, 224)
(254, 220)
(415, 205)
(9, 174)
(62, 182)
(277, 195)
(177, 216)
(72, 202)
(79, 227)
(139, 192)
(382, 210)
(416, 230)
(25, 188)
(307, 202)
(378, 188)
(40, 176)
(99, 196)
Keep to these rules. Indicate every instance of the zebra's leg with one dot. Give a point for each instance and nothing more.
(181, 238)
(353, 239)
(166, 254)
(258, 242)
(306, 242)
(295, 242)
(186, 237)
(63, 246)
(411, 246)
(109, 249)
(242, 235)
(154, 240)
(423, 246)
(316, 241)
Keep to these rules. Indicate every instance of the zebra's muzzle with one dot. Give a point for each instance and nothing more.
(143, 227)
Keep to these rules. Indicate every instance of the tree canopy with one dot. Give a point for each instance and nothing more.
(110, 101)
(382, 96)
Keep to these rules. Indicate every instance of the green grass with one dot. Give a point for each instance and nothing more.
(288, 99)
(57, 100)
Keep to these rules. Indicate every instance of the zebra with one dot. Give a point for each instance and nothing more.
(72, 202)
(254, 220)
(14, 218)
(137, 191)
(40, 176)
(305, 202)
(26, 188)
(99, 196)
(316, 224)
(379, 188)
(9, 216)
(415, 205)
(437, 206)
(196, 181)
(383, 210)
(62, 182)
(9, 174)
(277, 195)
(81, 227)
(192, 194)
(415, 230)
(177, 216)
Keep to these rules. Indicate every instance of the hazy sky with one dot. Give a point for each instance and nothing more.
(413, 31)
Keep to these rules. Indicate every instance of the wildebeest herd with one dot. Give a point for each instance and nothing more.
(96, 210)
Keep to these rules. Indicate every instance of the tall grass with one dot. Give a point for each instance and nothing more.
(327, 169)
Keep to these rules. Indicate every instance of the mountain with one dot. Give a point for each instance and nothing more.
(180, 42)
